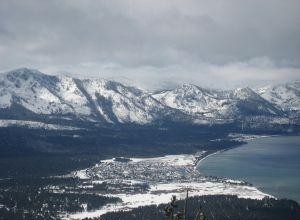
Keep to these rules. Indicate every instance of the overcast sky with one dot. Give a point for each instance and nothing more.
(155, 43)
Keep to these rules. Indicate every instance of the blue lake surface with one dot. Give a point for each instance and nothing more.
(271, 164)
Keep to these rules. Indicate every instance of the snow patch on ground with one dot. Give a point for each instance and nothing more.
(34, 125)
(162, 193)
(175, 160)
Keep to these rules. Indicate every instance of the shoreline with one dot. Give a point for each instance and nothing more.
(161, 191)
(245, 139)
(255, 179)
(197, 163)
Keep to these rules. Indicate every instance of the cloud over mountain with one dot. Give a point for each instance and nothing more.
(155, 41)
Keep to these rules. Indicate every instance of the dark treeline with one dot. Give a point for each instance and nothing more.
(131, 140)
(47, 152)
(218, 208)
(127, 139)
(31, 198)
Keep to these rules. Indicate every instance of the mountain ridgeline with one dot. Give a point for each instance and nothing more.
(62, 114)
(29, 94)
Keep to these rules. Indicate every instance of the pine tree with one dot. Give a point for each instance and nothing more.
(171, 208)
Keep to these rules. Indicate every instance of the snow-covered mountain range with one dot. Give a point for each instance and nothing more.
(26, 93)
(285, 96)
(206, 103)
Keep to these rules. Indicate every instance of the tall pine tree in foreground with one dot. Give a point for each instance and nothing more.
(173, 212)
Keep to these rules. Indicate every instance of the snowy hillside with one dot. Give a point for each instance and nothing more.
(42, 94)
(26, 92)
(116, 102)
(216, 104)
(98, 100)
(286, 96)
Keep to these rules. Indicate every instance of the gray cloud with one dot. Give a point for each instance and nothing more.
(220, 43)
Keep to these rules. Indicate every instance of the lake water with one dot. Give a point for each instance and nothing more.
(271, 164)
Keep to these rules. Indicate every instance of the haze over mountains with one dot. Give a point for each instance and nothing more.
(27, 94)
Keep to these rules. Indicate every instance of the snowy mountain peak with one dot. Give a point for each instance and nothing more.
(214, 104)
(25, 90)
(285, 96)
(189, 89)
(98, 100)
(23, 72)
(244, 93)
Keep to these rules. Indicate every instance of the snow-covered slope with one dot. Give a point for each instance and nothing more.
(41, 94)
(285, 96)
(116, 102)
(216, 104)
(193, 100)
(26, 92)
(99, 100)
